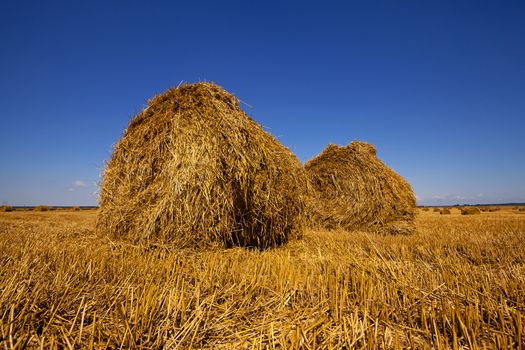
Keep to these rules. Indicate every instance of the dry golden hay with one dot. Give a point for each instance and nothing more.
(470, 211)
(352, 189)
(193, 169)
(437, 210)
(6, 208)
(445, 211)
(425, 209)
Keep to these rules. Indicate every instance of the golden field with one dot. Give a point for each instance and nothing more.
(459, 282)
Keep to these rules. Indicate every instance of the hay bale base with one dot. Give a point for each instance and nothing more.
(194, 170)
(352, 189)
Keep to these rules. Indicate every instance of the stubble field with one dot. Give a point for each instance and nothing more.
(458, 283)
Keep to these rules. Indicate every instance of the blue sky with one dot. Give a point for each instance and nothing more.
(437, 86)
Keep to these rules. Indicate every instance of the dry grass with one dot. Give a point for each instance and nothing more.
(353, 189)
(458, 282)
(193, 169)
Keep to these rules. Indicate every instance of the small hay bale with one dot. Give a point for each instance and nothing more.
(41, 208)
(426, 209)
(76, 208)
(470, 211)
(445, 211)
(521, 209)
(6, 208)
(437, 210)
(193, 169)
(352, 189)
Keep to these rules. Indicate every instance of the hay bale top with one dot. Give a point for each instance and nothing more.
(353, 189)
(193, 168)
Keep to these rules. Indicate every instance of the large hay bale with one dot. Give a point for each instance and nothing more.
(445, 211)
(353, 189)
(193, 169)
(6, 208)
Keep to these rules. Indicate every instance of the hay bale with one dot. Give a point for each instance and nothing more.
(76, 208)
(193, 168)
(445, 211)
(426, 209)
(352, 189)
(6, 208)
(437, 210)
(521, 209)
(41, 208)
(470, 211)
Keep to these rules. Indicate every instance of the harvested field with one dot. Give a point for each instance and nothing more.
(458, 282)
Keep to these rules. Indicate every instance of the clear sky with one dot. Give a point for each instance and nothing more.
(437, 86)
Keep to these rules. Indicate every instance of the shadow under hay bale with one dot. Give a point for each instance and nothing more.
(352, 189)
(470, 211)
(193, 169)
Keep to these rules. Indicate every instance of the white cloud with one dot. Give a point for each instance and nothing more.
(79, 183)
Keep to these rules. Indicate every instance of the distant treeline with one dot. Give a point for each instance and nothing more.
(473, 205)
(28, 207)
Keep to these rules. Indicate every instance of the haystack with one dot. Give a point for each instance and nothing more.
(445, 211)
(470, 211)
(353, 189)
(41, 208)
(193, 169)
